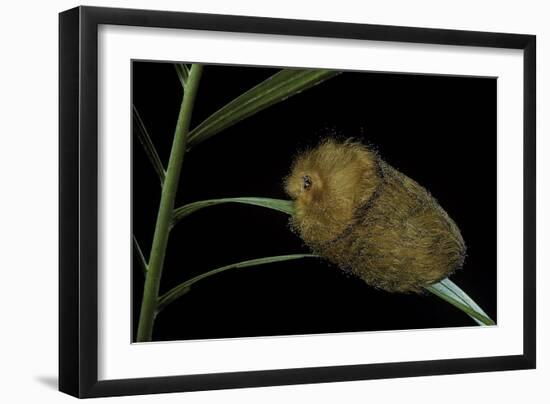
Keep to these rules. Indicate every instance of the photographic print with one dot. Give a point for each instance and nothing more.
(272, 201)
(249, 201)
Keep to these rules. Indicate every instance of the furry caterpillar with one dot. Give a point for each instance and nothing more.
(366, 217)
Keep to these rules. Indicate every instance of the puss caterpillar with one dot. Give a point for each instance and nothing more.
(366, 217)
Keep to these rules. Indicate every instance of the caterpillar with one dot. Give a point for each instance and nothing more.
(369, 219)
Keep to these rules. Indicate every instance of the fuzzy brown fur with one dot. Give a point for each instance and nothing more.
(368, 218)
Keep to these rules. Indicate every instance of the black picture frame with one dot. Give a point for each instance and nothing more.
(78, 203)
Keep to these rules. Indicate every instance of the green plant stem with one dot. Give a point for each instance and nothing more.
(164, 218)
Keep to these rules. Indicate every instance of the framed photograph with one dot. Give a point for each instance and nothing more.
(252, 201)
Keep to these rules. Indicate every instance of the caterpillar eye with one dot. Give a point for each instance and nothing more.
(307, 181)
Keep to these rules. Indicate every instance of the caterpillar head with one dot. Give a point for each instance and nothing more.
(327, 184)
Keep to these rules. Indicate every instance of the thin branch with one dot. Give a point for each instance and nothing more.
(280, 205)
(148, 146)
(184, 287)
(141, 257)
(183, 73)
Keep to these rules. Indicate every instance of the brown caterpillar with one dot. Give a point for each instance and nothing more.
(363, 215)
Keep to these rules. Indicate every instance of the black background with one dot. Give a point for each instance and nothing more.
(438, 130)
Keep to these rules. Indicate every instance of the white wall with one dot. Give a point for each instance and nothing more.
(28, 214)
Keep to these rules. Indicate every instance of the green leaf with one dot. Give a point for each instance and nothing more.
(277, 88)
(184, 287)
(183, 73)
(452, 294)
(277, 204)
(141, 257)
(148, 146)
